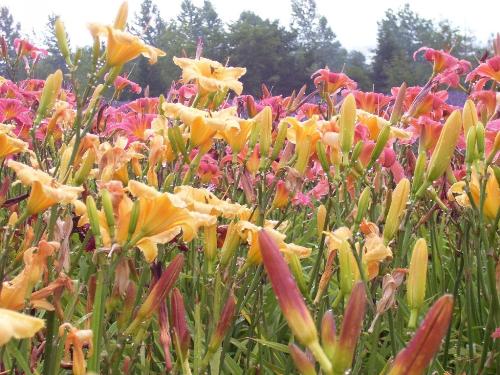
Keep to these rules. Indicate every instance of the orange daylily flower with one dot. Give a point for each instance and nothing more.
(10, 145)
(123, 47)
(210, 76)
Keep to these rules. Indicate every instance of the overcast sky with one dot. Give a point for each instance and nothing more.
(353, 21)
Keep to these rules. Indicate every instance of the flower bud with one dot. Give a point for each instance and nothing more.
(398, 205)
(351, 329)
(347, 122)
(280, 139)
(328, 333)
(417, 277)
(418, 354)
(469, 116)
(363, 204)
(223, 324)
(297, 271)
(494, 149)
(49, 94)
(179, 325)
(348, 267)
(397, 110)
(357, 151)
(93, 219)
(107, 206)
(121, 17)
(418, 173)
(470, 150)
(301, 361)
(88, 162)
(62, 40)
(210, 242)
(158, 293)
(264, 121)
(323, 159)
(134, 217)
(282, 196)
(287, 293)
(480, 140)
(382, 139)
(321, 219)
(231, 243)
(445, 147)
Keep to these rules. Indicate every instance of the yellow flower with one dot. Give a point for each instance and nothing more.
(17, 291)
(11, 145)
(334, 239)
(374, 250)
(492, 193)
(45, 190)
(250, 233)
(203, 125)
(17, 325)
(123, 47)
(210, 76)
(162, 216)
(236, 133)
(304, 135)
(203, 201)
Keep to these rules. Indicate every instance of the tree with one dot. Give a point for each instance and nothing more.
(400, 34)
(263, 47)
(149, 26)
(9, 30)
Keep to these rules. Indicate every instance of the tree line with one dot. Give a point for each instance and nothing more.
(282, 58)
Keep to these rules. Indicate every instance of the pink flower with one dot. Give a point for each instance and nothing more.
(372, 102)
(489, 69)
(208, 170)
(442, 60)
(486, 101)
(14, 110)
(134, 125)
(122, 82)
(333, 81)
(23, 48)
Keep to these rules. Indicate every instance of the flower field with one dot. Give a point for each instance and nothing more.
(205, 231)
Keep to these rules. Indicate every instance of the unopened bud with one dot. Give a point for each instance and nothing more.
(49, 94)
(469, 116)
(107, 206)
(441, 157)
(357, 151)
(93, 219)
(347, 122)
(264, 121)
(328, 333)
(223, 324)
(398, 205)
(397, 110)
(418, 173)
(321, 219)
(323, 159)
(280, 139)
(382, 139)
(363, 204)
(62, 40)
(470, 150)
(480, 140)
(87, 164)
(301, 361)
(417, 277)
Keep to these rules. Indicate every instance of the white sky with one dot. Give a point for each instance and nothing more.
(353, 21)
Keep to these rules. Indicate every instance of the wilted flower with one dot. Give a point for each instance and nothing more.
(76, 340)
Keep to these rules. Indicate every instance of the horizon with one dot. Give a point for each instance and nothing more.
(76, 15)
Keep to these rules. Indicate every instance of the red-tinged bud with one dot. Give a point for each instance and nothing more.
(351, 329)
(414, 359)
(165, 338)
(328, 333)
(302, 361)
(3, 47)
(128, 306)
(160, 290)
(179, 325)
(4, 189)
(223, 324)
(287, 293)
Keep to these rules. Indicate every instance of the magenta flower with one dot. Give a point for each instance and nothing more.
(122, 82)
